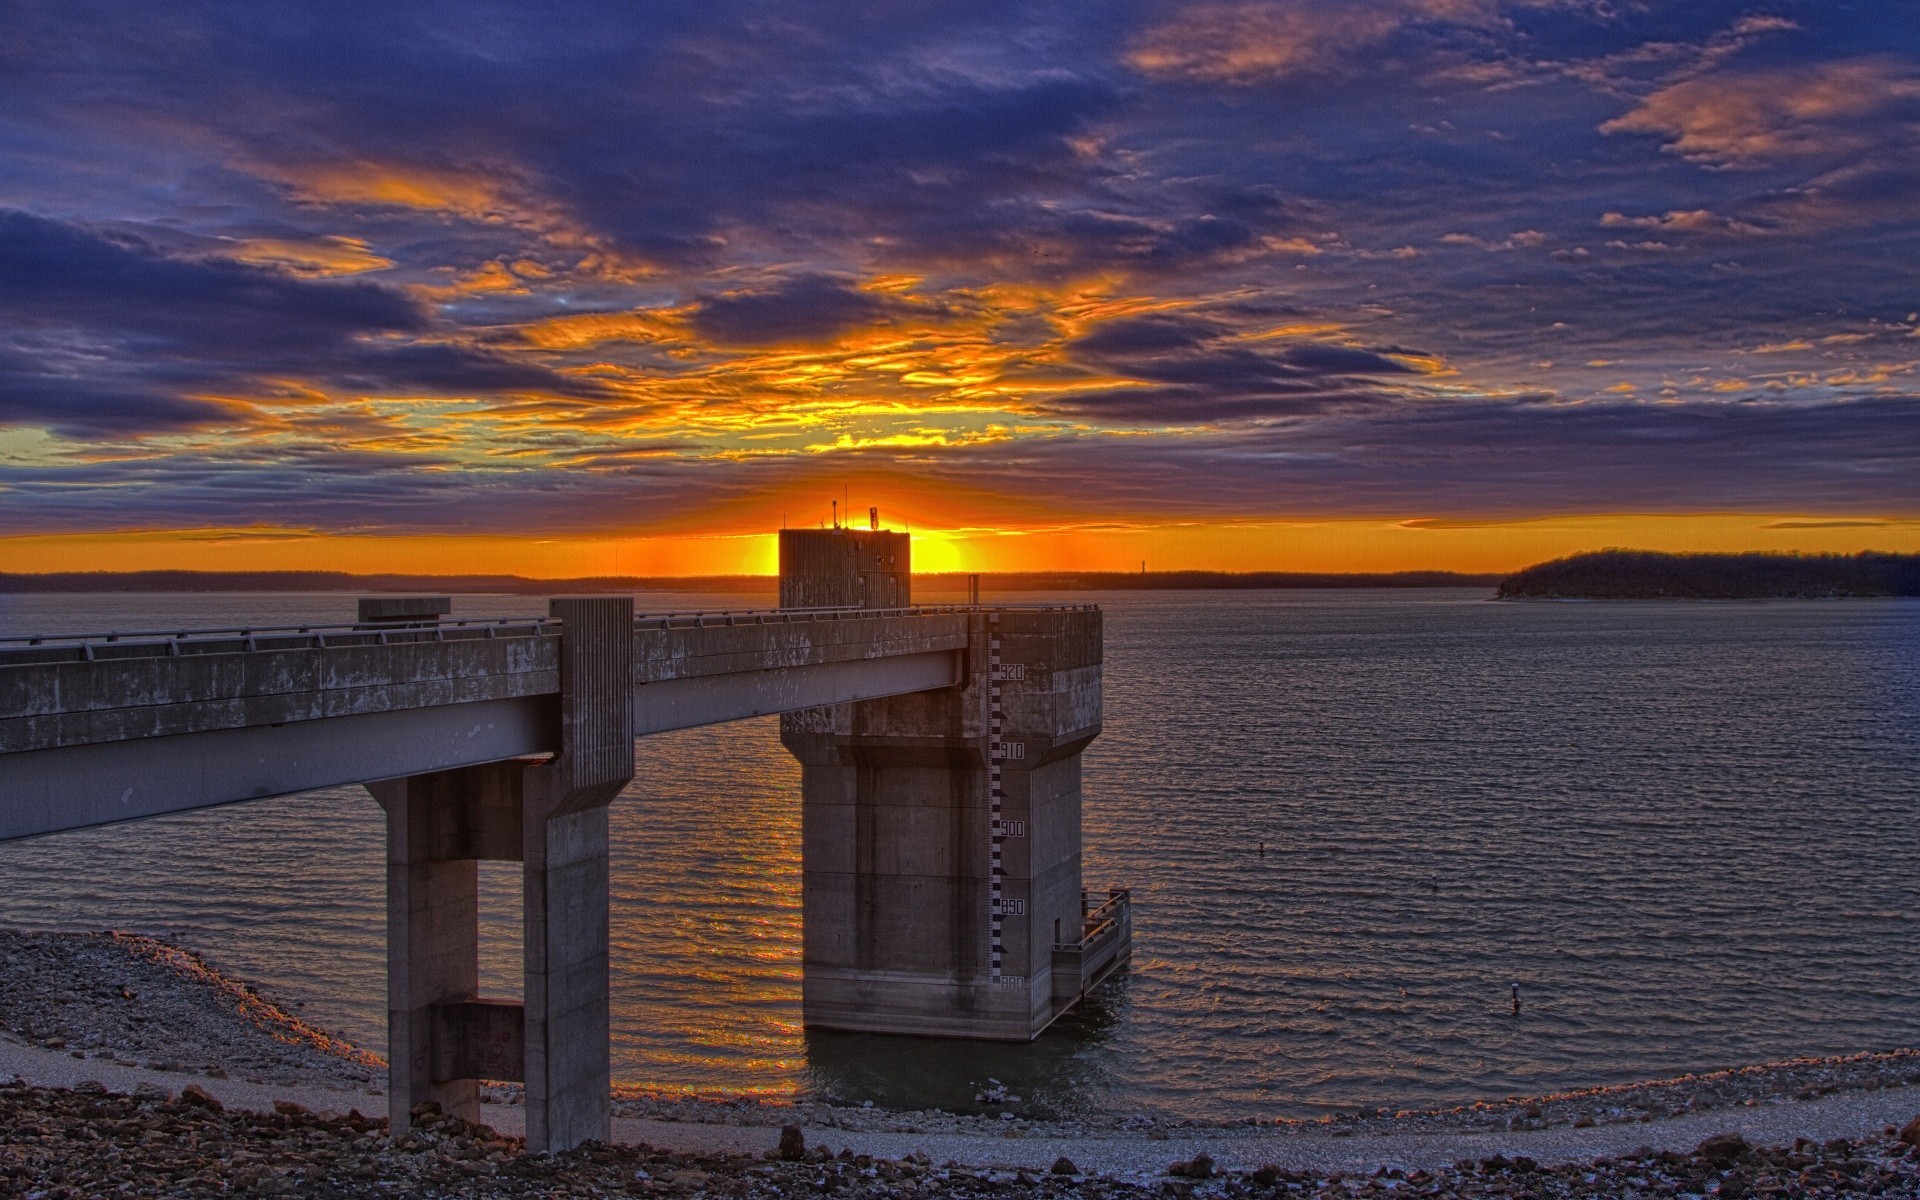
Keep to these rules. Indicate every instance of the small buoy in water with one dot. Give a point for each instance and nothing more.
(1516, 999)
(1263, 849)
(1433, 881)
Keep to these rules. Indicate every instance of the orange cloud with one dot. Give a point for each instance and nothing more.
(1695, 220)
(473, 194)
(1750, 118)
(581, 330)
(320, 258)
(1244, 43)
(490, 276)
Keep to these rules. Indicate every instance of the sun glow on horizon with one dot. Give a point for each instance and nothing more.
(1334, 546)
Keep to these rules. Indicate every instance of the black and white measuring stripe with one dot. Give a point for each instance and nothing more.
(996, 836)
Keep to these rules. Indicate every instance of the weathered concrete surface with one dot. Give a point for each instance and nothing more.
(74, 787)
(110, 698)
(438, 826)
(760, 664)
(569, 1071)
(47, 705)
(148, 728)
(764, 641)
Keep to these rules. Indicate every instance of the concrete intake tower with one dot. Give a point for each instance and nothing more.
(941, 829)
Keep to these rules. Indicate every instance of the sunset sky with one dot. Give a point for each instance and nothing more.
(575, 288)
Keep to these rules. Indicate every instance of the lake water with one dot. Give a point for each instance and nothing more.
(1687, 832)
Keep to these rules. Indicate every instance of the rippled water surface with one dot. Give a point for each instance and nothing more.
(1687, 832)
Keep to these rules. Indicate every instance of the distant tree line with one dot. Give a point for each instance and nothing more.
(1651, 575)
(1022, 581)
(1125, 581)
(1602, 575)
(342, 581)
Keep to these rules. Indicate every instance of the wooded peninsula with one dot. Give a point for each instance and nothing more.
(1650, 575)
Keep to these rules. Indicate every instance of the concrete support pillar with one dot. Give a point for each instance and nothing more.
(552, 817)
(564, 838)
(568, 1064)
(433, 958)
(438, 828)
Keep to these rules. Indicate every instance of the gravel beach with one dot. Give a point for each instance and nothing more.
(126, 998)
(105, 1032)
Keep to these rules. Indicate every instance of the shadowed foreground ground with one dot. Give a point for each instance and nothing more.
(61, 1143)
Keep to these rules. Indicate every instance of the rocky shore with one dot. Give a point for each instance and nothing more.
(82, 1142)
(135, 1001)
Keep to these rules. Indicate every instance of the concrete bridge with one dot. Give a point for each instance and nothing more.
(940, 751)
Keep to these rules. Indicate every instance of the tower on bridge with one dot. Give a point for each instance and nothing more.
(845, 568)
(941, 830)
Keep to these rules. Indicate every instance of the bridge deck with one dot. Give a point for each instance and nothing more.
(111, 727)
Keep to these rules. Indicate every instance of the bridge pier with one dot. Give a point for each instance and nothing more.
(941, 829)
(551, 816)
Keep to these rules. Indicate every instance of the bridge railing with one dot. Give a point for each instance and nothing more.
(20, 649)
(780, 616)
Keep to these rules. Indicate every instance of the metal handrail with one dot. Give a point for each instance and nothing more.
(1100, 921)
(315, 630)
(779, 616)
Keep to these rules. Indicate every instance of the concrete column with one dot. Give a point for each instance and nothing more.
(438, 827)
(564, 835)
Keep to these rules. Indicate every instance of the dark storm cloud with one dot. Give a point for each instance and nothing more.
(1497, 459)
(808, 309)
(1509, 458)
(78, 407)
(1341, 360)
(103, 334)
(664, 128)
(1195, 369)
(54, 274)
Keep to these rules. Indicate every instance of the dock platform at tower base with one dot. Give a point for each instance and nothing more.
(1105, 945)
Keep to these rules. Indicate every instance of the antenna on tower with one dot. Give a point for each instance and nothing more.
(836, 514)
(873, 517)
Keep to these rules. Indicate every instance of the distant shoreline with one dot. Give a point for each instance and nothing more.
(101, 582)
(1599, 575)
